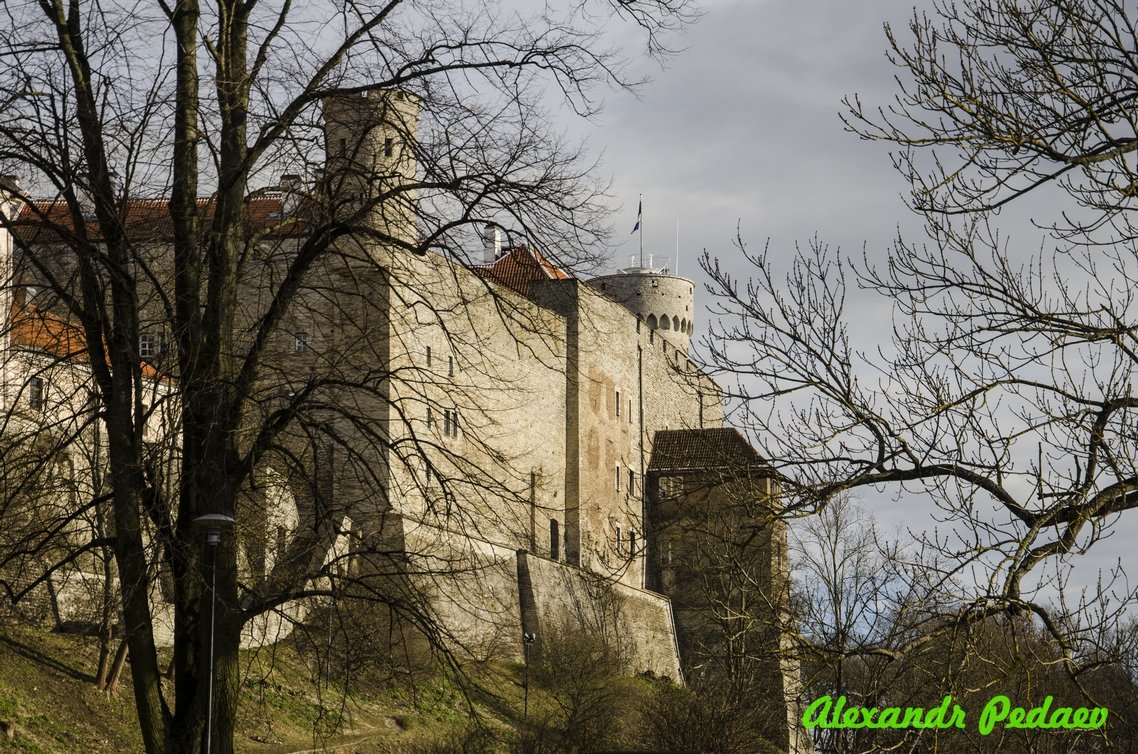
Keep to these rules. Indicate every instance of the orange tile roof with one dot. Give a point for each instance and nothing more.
(149, 219)
(520, 267)
(42, 330)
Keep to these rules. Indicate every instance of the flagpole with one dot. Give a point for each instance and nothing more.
(640, 222)
(677, 270)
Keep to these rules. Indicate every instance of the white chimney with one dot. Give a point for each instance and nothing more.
(10, 205)
(290, 188)
(491, 243)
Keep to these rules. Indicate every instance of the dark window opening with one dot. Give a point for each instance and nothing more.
(554, 540)
(450, 422)
(35, 393)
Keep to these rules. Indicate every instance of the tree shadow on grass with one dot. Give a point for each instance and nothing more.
(34, 655)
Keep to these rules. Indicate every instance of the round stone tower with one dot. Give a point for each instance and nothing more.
(665, 302)
(370, 142)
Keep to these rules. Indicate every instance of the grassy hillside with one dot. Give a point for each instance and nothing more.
(310, 693)
(49, 704)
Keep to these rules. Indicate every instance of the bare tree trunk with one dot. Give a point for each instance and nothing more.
(115, 673)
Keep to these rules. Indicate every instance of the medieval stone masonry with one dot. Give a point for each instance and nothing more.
(547, 434)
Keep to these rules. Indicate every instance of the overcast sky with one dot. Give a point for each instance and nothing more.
(743, 128)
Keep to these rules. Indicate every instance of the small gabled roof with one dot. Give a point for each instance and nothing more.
(519, 268)
(685, 450)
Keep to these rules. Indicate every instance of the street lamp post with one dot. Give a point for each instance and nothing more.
(527, 640)
(213, 524)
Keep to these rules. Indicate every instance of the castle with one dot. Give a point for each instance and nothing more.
(528, 444)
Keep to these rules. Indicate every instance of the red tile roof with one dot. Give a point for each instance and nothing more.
(149, 219)
(42, 330)
(519, 268)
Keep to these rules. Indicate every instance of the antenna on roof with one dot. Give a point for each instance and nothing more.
(677, 271)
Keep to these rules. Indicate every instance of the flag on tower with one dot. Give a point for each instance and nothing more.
(639, 213)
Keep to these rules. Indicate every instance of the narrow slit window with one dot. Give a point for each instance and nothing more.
(554, 539)
(428, 355)
(388, 147)
(35, 393)
(618, 403)
(618, 477)
(450, 366)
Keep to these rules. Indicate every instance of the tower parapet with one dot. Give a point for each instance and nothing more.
(665, 302)
(370, 142)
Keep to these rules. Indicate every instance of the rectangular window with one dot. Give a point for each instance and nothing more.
(618, 477)
(300, 343)
(631, 482)
(150, 345)
(450, 423)
(632, 543)
(450, 366)
(671, 486)
(428, 355)
(619, 539)
(35, 393)
(554, 539)
(630, 411)
(618, 403)
(388, 147)
(430, 417)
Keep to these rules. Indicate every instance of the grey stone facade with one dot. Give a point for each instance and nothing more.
(513, 413)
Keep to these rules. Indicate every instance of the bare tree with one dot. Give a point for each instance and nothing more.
(1004, 391)
(178, 306)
